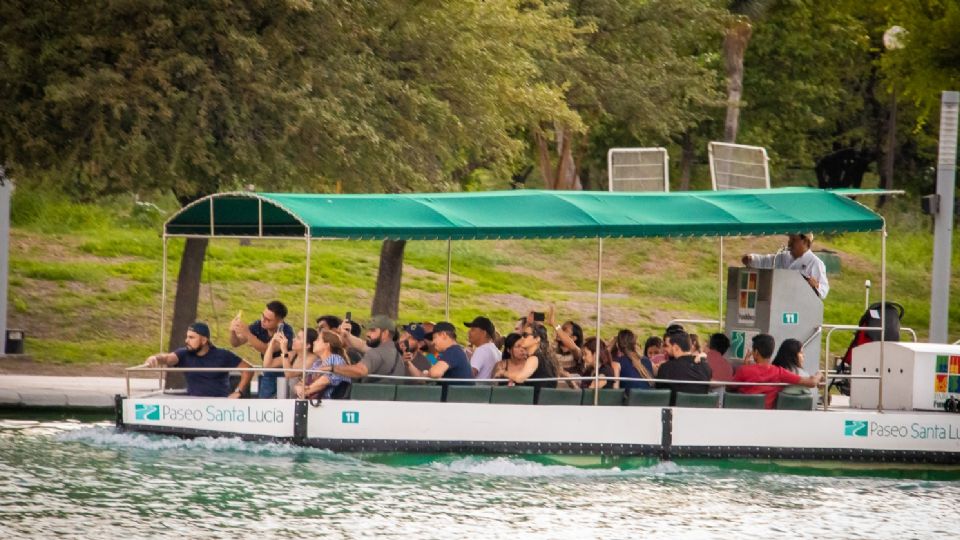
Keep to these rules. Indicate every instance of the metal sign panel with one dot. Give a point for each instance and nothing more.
(483, 422)
(638, 169)
(270, 417)
(806, 429)
(737, 166)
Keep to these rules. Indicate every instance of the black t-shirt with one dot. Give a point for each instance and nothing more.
(684, 369)
(208, 383)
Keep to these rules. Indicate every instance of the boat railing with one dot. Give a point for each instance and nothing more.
(696, 321)
(406, 378)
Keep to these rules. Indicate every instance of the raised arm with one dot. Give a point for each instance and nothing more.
(162, 359)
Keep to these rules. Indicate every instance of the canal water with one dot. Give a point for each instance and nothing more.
(79, 478)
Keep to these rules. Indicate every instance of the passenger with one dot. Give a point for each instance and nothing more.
(651, 347)
(609, 370)
(328, 322)
(452, 362)
(412, 344)
(695, 345)
(485, 355)
(514, 362)
(683, 366)
(381, 356)
(764, 372)
(632, 365)
(293, 361)
(258, 335)
(790, 358)
(664, 354)
(567, 345)
(199, 352)
(796, 256)
(540, 363)
(718, 346)
(328, 352)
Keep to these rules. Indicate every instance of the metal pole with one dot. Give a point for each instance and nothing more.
(596, 353)
(446, 306)
(883, 310)
(866, 299)
(720, 286)
(306, 309)
(6, 187)
(163, 304)
(943, 217)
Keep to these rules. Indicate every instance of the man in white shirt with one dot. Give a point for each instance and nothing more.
(485, 354)
(797, 257)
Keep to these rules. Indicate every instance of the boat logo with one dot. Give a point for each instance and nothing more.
(350, 417)
(855, 428)
(146, 412)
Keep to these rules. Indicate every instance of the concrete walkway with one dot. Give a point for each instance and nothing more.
(49, 391)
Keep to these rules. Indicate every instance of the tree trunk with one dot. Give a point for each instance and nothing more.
(686, 160)
(386, 299)
(566, 177)
(543, 156)
(186, 300)
(734, 46)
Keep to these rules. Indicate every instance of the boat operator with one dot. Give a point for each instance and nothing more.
(199, 352)
(796, 256)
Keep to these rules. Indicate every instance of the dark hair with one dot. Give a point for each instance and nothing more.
(695, 343)
(673, 328)
(508, 344)
(277, 308)
(652, 341)
(719, 342)
(681, 339)
(764, 344)
(577, 332)
(544, 352)
(788, 357)
(355, 329)
(311, 335)
(590, 344)
(333, 322)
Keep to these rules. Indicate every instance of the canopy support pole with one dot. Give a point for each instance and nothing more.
(163, 303)
(883, 306)
(446, 305)
(720, 287)
(306, 311)
(596, 353)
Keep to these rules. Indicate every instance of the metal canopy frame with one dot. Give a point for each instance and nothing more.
(307, 238)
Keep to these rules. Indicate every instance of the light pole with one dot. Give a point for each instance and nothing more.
(892, 40)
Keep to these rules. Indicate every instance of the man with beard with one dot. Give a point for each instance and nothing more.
(199, 352)
(381, 356)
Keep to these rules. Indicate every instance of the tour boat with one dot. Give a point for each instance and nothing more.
(898, 389)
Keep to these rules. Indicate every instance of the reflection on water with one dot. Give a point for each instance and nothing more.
(74, 479)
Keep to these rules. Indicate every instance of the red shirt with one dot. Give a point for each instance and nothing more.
(764, 373)
(722, 370)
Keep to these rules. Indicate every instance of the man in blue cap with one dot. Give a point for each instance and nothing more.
(199, 352)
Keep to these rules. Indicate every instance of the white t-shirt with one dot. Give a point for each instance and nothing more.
(808, 264)
(484, 359)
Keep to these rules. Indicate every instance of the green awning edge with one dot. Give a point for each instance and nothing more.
(524, 214)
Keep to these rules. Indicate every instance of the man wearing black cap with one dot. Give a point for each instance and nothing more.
(199, 352)
(412, 344)
(452, 361)
(485, 354)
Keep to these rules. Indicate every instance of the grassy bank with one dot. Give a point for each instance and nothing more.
(86, 279)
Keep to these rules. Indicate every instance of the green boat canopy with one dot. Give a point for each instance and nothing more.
(522, 214)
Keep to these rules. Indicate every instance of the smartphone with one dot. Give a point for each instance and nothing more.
(539, 316)
(349, 316)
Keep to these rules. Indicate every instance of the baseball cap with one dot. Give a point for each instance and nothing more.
(484, 324)
(201, 328)
(381, 322)
(444, 326)
(416, 330)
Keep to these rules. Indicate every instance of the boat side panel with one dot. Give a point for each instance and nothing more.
(484, 422)
(189, 416)
(856, 431)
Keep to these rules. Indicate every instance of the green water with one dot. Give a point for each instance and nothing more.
(62, 477)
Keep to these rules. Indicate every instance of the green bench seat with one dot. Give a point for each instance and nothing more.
(373, 392)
